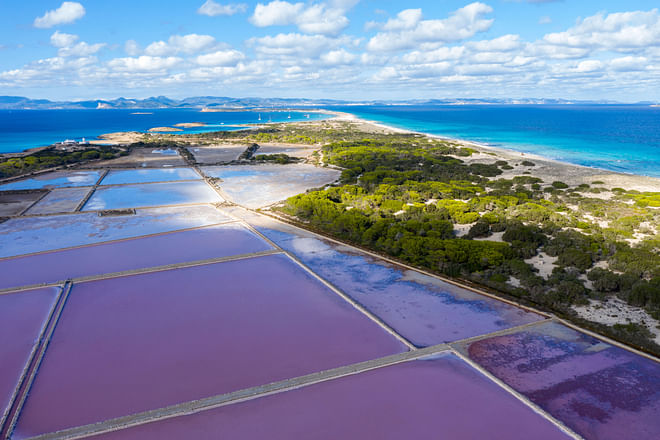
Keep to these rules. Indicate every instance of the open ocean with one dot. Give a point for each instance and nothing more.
(23, 129)
(624, 138)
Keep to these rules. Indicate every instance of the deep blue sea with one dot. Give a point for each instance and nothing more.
(23, 129)
(624, 138)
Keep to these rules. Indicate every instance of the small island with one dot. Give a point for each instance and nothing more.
(164, 129)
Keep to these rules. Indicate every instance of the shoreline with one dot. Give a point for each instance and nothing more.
(477, 144)
(640, 182)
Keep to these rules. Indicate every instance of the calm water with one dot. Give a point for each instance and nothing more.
(622, 138)
(23, 129)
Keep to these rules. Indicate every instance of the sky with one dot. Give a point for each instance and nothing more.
(334, 49)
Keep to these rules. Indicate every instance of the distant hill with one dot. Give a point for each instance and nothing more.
(20, 102)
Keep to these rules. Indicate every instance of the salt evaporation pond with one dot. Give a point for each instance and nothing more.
(152, 194)
(423, 309)
(23, 316)
(137, 253)
(56, 179)
(120, 177)
(59, 200)
(180, 335)
(36, 234)
(600, 391)
(255, 186)
(440, 397)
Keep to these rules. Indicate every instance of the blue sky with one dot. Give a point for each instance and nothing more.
(343, 49)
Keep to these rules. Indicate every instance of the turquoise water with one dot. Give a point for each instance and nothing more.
(58, 179)
(120, 177)
(23, 129)
(624, 138)
(152, 194)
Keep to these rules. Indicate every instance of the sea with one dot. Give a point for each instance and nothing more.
(24, 129)
(623, 138)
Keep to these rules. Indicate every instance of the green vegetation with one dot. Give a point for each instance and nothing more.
(279, 158)
(51, 158)
(404, 197)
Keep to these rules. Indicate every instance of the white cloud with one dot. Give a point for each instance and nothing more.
(276, 13)
(143, 63)
(132, 48)
(615, 53)
(505, 43)
(629, 64)
(318, 18)
(589, 66)
(60, 39)
(295, 45)
(68, 12)
(440, 54)
(188, 44)
(213, 9)
(220, 58)
(406, 19)
(411, 31)
(621, 31)
(67, 47)
(338, 57)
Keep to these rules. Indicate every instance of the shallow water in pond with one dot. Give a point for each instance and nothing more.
(57, 179)
(149, 175)
(137, 253)
(437, 398)
(598, 390)
(153, 194)
(179, 335)
(261, 185)
(423, 309)
(35, 234)
(59, 200)
(22, 317)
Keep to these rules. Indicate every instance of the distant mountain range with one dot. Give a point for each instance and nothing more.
(19, 102)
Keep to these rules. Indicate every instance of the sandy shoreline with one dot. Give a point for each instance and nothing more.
(545, 168)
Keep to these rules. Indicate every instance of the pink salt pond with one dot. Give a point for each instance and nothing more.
(131, 344)
(441, 398)
(23, 316)
(158, 250)
(600, 391)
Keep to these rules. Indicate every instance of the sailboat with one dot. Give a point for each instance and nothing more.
(289, 117)
(260, 116)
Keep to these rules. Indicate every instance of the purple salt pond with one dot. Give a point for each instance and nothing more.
(175, 247)
(423, 309)
(600, 391)
(442, 398)
(22, 318)
(130, 344)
